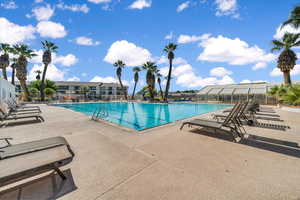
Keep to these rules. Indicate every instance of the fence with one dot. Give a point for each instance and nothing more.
(7, 90)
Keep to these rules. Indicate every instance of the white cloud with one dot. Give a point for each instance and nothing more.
(38, 1)
(108, 79)
(9, 5)
(74, 78)
(86, 41)
(259, 65)
(220, 72)
(183, 6)
(67, 60)
(226, 8)
(53, 73)
(286, 29)
(176, 61)
(140, 4)
(74, 7)
(51, 29)
(190, 80)
(276, 71)
(42, 13)
(12, 33)
(232, 51)
(99, 1)
(186, 77)
(128, 52)
(183, 39)
(169, 36)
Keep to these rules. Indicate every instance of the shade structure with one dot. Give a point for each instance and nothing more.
(237, 92)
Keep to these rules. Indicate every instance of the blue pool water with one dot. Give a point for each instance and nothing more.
(140, 116)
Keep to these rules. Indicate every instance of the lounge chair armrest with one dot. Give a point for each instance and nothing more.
(7, 141)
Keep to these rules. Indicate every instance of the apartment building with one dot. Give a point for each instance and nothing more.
(97, 90)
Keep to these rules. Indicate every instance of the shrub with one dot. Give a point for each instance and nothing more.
(286, 94)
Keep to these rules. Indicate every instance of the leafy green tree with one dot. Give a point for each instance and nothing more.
(287, 58)
(120, 65)
(49, 48)
(294, 18)
(151, 68)
(136, 71)
(4, 58)
(289, 94)
(169, 49)
(49, 92)
(84, 90)
(24, 53)
(34, 92)
(37, 84)
(292, 96)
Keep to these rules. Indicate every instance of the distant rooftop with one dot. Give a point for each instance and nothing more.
(241, 88)
(79, 83)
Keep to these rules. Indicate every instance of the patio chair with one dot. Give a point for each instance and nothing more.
(5, 115)
(251, 119)
(28, 159)
(18, 107)
(253, 109)
(230, 123)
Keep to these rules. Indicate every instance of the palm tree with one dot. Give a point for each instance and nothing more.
(294, 18)
(158, 75)
(287, 58)
(136, 71)
(4, 58)
(24, 53)
(13, 67)
(169, 49)
(49, 48)
(120, 65)
(150, 77)
(38, 76)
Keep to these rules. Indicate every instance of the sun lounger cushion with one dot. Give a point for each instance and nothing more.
(29, 147)
(205, 123)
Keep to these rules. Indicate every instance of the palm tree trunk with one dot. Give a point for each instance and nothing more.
(168, 81)
(132, 97)
(43, 83)
(161, 92)
(150, 88)
(25, 89)
(4, 73)
(287, 78)
(13, 76)
(125, 94)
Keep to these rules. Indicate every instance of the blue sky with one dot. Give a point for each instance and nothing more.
(219, 41)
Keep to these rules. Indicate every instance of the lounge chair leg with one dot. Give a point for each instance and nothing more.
(182, 126)
(41, 118)
(62, 176)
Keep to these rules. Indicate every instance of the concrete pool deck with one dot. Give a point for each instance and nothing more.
(161, 163)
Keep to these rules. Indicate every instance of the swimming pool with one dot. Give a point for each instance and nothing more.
(141, 116)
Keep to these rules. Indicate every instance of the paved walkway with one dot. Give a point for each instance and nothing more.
(162, 163)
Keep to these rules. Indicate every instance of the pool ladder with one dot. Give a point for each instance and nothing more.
(99, 113)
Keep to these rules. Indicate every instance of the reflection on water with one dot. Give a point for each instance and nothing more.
(140, 116)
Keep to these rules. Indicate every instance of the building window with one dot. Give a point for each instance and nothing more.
(63, 87)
